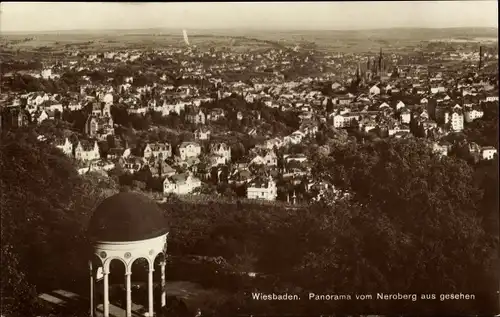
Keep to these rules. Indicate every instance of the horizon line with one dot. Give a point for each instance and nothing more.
(247, 29)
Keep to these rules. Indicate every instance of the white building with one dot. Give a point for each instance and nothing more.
(338, 121)
(456, 120)
(405, 116)
(180, 184)
(221, 152)
(46, 73)
(189, 149)
(66, 147)
(441, 149)
(86, 152)
(473, 114)
(108, 99)
(157, 150)
(400, 105)
(488, 152)
(374, 90)
(258, 189)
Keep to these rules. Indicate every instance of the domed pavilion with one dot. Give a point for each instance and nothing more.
(126, 227)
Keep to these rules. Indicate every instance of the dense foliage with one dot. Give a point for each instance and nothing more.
(415, 224)
(44, 207)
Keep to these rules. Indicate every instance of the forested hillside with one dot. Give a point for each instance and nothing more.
(415, 223)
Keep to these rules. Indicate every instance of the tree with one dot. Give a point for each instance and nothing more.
(329, 106)
(237, 151)
(42, 212)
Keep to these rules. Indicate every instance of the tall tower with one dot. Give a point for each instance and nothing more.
(380, 62)
(480, 58)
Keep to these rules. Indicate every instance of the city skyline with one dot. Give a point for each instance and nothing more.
(37, 16)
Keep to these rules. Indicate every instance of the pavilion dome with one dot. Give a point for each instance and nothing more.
(127, 216)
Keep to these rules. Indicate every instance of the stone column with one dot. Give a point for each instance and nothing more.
(91, 289)
(163, 292)
(106, 293)
(150, 290)
(129, 293)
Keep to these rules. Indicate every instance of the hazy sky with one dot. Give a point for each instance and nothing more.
(47, 16)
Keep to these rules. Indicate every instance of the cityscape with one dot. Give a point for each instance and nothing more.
(291, 172)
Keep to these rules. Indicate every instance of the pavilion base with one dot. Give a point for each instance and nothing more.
(115, 311)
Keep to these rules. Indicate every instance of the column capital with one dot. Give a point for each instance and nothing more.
(151, 270)
(128, 273)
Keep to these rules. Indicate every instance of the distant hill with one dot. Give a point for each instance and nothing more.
(327, 40)
(389, 32)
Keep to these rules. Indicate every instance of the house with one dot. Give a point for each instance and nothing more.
(180, 184)
(309, 129)
(97, 109)
(262, 189)
(342, 100)
(107, 99)
(338, 121)
(473, 114)
(474, 148)
(271, 159)
(42, 116)
(221, 152)
(137, 110)
(189, 149)
(14, 118)
(91, 126)
(438, 89)
(216, 114)
(132, 164)
(159, 151)
(257, 160)
(488, 152)
(97, 166)
(196, 117)
(66, 147)
(166, 170)
(374, 90)
(399, 129)
(99, 126)
(271, 143)
(336, 86)
(296, 157)
(491, 98)
(240, 176)
(440, 148)
(384, 105)
(405, 116)
(74, 106)
(400, 105)
(239, 116)
(455, 119)
(85, 151)
(117, 153)
(202, 134)
(46, 73)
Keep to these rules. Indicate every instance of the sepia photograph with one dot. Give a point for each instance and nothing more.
(233, 159)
